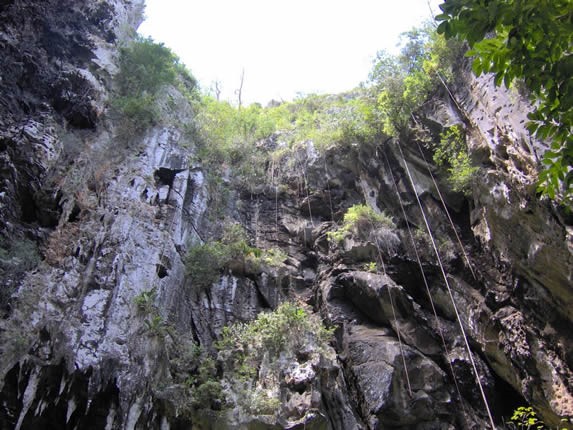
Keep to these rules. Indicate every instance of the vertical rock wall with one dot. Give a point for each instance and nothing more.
(94, 334)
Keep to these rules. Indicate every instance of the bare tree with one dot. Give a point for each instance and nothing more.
(239, 92)
(217, 89)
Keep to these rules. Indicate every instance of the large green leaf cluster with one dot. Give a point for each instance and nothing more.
(529, 40)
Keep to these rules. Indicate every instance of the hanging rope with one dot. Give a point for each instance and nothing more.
(459, 319)
(275, 182)
(329, 193)
(426, 284)
(398, 334)
(459, 240)
(303, 170)
(277, 214)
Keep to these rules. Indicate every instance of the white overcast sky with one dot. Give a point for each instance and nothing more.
(285, 47)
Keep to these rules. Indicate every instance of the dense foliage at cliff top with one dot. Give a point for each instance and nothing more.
(517, 47)
(380, 107)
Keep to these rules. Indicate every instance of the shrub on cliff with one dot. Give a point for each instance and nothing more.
(205, 262)
(451, 153)
(361, 220)
(144, 68)
(256, 354)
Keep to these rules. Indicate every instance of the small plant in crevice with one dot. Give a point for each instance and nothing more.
(204, 262)
(154, 323)
(273, 257)
(371, 267)
(145, 302)
(526, 418)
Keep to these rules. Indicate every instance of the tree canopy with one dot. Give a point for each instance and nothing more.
(530, 40)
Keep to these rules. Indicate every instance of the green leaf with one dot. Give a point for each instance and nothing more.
(477, 67)
(445, 28)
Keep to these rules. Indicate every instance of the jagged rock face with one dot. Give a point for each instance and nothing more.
(115, 219)
(527, 236)
(57, 60)
(511, 341)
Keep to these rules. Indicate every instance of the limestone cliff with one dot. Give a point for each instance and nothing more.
(101, 316)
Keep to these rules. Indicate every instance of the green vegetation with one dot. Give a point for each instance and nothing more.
(156, 325)
(371, 267)
(288, 332)
(195, 378)
(273, 257)
(153, 322)
(16, 258)
(244, 140)
(529, 41)
(205, 262)
(206, 383)
(402, 84)
(144, 68)
(206, 389)
(326, 120)
(145, 301)
(288, 329)
(452, 154)
(360, 220)
(526, 418)
(227, 137)
(239, 143)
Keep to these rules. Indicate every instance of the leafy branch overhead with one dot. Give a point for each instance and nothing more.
(529, 40)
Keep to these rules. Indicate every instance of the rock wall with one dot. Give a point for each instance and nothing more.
(95, 332)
